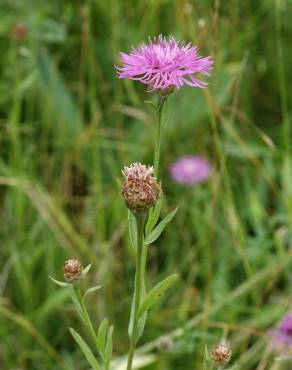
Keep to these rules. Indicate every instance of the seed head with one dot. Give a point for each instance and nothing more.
(140, 189)
(72, 269)
(221, 354)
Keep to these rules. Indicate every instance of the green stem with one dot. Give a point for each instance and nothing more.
(88, 322)
(159, 111)
(139, 281)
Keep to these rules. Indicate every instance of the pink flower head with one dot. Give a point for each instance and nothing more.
(190, 170)
(281, 337)
(165, 64)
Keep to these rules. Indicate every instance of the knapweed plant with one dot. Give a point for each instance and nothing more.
(163, 65)
(102, 340)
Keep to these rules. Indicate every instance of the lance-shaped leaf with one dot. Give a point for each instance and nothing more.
(141, 320)
(108, 348)
(206, 359)
(132, 229)
(91, 290)
(86, 350)
(153, 296)
(101, 336)
(104, 342)
(60, 283)
(156, 232)
(153, 216)
(86, 270)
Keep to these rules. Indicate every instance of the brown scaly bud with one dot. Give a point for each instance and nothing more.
(221, 354)
(140, 189)
(73, 269)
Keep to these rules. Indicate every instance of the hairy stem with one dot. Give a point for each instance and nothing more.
(159, 111)
(139, 281)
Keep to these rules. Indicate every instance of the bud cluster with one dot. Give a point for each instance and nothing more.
(221, 354)
(140, 189)
(73, 269)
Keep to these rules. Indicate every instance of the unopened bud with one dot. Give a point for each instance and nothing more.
(140, 189)
(221, 354)
(72, 269)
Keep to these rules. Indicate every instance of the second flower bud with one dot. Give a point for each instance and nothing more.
(140, 189)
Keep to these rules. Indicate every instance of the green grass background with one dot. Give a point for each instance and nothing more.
(68, 126)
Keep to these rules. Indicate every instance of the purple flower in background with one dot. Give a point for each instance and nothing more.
(164, 64)
(190, 170)
(281, 338)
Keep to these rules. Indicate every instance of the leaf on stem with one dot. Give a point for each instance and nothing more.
(85, 349)
(104, 342)
(156, 232)
(86, 270)
(60, 283)
(153, 296)
(132, 313)
(141, 320)
(91, 290)
(206, 358)
(153, 216)
(101, 336)
(132, 229)
(108, 348)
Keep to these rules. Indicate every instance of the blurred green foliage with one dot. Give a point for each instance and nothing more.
(68, 126)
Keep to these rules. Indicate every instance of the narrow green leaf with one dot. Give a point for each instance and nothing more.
(60, 283)
(143, 318)
(155, 234)
(108, 348)
(91, 290)
(206, 356)
(101, 337)
(141, 322)
(153, 296)
(86, 270)
(85, 349)
(153, 216)
(132, 229)
(131, 321)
